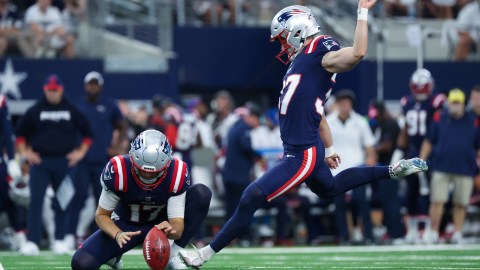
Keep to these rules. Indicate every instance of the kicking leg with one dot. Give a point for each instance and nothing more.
(325, 185)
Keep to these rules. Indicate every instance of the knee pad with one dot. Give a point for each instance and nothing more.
(82, 260)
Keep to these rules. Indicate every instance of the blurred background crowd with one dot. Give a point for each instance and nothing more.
(228, 136)
(55, 28)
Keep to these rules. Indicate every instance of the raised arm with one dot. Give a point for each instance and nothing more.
(347, 58)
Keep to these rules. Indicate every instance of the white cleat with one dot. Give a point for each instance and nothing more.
(115, 263)
(29, 249)
(192, 258)
(59, 248)
(176, 263)
(19, 240)
(412, 237)
(457, 238)
(431, 237)
(406, 167)
(69, 241)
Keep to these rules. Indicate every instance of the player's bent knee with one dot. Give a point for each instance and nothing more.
(201, 193)
(82, 260)
(252, 195)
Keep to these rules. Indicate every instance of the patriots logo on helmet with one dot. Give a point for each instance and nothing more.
(167, 149)
(137, 143)
(287, 15)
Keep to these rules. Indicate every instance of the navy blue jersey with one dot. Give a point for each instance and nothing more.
(306, 87)
(240, 156)
(102, 115)
(418, 115)
(139, 205)
(455, 143)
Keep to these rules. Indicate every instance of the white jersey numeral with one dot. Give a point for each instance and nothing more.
(319, 106)
(136, 209)
(289, 87)
(416, 122)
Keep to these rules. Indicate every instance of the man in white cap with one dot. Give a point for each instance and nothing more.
(105, 118)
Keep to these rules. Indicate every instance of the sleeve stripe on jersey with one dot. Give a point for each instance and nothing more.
(3, 100)
(120, 173)
(313, 45)
(178, 176)
(309, 159)
(182, 180)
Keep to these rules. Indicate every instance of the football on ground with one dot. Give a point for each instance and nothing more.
(156, 249)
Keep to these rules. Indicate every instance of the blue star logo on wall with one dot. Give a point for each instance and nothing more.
(10, 81)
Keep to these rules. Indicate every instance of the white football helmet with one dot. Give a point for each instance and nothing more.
(421, 84)
(150, 152)
(291, 26)
(19, 190)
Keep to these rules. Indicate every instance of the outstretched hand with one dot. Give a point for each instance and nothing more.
(366, 3)
(333, 161)
(123, 237)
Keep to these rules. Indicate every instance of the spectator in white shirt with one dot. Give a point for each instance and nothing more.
(468, 23)
(46, 25)
(354, 142)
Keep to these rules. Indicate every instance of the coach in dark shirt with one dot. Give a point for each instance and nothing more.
(47, 137)
(239, 159)
(454, 140)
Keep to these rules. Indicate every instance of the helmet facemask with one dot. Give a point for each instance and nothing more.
(290, 51)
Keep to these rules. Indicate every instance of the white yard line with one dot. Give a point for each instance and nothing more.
(311, 250)
(306, 250)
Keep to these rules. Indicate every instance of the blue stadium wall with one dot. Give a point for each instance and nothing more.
(243, 59)
(23, 79)
(238, 59)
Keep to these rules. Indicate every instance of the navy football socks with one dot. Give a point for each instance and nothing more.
(252, 199)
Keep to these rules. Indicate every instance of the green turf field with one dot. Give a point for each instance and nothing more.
(375, 257)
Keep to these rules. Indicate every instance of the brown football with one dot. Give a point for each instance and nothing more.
(156, 249)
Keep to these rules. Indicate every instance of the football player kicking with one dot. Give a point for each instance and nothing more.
(142, 189)
(308, 144)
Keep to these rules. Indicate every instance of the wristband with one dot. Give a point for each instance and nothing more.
(117, 234)
(329, 151)
(362, 14)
